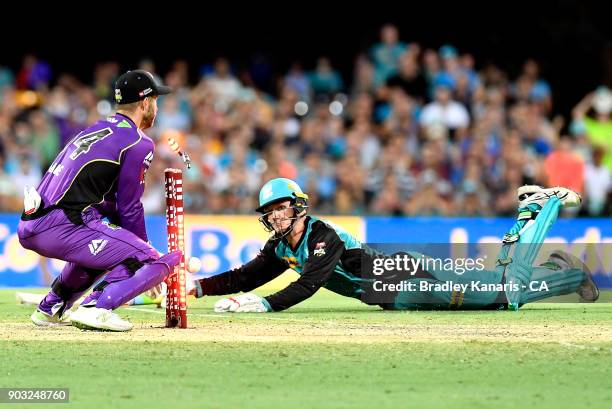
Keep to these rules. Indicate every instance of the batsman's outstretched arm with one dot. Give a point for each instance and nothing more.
(262, 269)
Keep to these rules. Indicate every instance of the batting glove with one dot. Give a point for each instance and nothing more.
(242, 303)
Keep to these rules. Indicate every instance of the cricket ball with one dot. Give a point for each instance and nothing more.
(194, 264)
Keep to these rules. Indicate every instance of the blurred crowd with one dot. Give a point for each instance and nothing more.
(413, 131)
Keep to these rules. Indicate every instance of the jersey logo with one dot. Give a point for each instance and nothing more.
(148, 159)
(112, 120)
(292, 261)
(124, 124)
(96, 246)
(146, 163)
(319, 249)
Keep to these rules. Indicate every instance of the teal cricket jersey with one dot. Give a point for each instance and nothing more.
(345, 278)
(326, 256)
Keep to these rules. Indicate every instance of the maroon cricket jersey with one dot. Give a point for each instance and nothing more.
(106, 163)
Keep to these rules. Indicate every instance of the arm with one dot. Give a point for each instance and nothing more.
(580, 110)
(317, 270)
(263, 268)
(130, 186)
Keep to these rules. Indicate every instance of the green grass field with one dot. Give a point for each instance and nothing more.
(329, 352)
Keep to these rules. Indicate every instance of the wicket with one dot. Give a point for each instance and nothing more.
(176, 299)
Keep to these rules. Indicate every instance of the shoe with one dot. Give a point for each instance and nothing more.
(100, 319)
(45, 320)
(533, 194)
(588, 290)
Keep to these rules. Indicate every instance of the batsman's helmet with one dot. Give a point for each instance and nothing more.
(280, 189)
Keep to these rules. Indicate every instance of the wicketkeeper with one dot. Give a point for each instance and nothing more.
(100, 173)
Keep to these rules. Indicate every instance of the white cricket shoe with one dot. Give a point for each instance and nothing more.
(100, 319)
(588, 290)
(42, 319)
(530, 194)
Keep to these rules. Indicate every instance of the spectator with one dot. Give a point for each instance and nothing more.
(297, 80)
(529, 87)
(596, 123)
(223, 86)
(451, 70)
(317, 175)
(325, 80)
(473, 198)
(597, 183)
(409, 78)
(431, 199)
(10, 193)
(363, 77)
(432, 67)
(170, 116)
(388, 201)
(35, 74)
(386, 54)
(393, 166)
(25, 173)
(45, 138)
(444, 110)
(565, 168)
(105, 75)
(7, 80)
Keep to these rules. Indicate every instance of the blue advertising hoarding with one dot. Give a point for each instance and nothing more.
(222, 242)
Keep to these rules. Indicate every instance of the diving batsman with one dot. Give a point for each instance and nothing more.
(325, 255)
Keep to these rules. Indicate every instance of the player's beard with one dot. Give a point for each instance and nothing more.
(149, 117)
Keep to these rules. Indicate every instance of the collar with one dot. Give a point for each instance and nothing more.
(128, 118)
